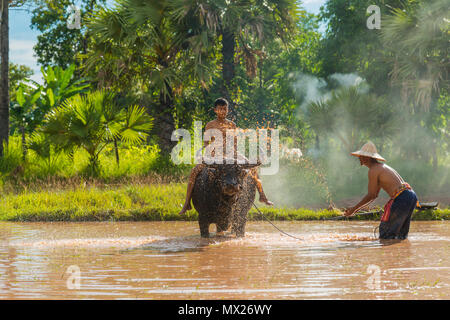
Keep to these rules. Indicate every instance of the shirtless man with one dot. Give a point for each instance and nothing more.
(222, 124)
(398, 210)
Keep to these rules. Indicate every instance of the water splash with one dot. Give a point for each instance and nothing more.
(122, 242)
(192, 243)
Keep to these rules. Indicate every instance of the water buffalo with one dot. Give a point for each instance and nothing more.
(223, 194)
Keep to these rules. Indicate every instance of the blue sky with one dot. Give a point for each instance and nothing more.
(23, 38)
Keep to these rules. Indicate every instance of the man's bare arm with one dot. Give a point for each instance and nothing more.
(372, 193)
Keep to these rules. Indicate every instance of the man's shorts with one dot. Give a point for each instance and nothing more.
(397, 226)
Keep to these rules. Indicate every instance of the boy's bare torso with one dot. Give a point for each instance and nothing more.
(223, 126)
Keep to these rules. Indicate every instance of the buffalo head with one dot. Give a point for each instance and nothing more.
(230, 177)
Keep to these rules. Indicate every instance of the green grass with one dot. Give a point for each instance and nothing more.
(137, 202)
(290, 214)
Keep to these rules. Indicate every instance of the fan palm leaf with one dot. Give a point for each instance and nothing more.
(93, 121)
(418, 36)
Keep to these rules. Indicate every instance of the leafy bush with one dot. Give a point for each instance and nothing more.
(12, 156)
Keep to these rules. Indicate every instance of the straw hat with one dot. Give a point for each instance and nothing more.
(368, 150)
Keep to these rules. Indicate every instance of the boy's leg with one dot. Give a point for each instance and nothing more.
(262, 195)
(187, 203)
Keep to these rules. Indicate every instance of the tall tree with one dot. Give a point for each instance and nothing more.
(349, 46)
(4, 68)
(4, 73)
(243, 27)
(57, 44)
(417, 35)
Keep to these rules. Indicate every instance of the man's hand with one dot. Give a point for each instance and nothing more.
(349, 212)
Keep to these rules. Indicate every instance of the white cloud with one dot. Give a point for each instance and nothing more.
(21, 52)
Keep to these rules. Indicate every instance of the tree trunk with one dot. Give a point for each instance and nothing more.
(85, 41)
(24, 146)
(228, 50)
(4, 74)
(260, 73)
(94, 165)
(165, 123)
(116, 151)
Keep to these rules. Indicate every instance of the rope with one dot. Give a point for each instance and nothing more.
(289, 235)
(267, 219)
(362, 206)
(353, 215)
(375, 232)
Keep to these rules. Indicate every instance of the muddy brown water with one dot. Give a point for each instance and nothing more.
(169, 260)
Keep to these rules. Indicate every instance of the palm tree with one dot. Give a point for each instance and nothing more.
(4, 73)
(352, 116)
(320, 116)
(143, 39)
(418, 37)
(92, 122)
(4, 68)
(241, 26)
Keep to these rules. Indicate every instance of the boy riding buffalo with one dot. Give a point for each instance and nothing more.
(222, 124)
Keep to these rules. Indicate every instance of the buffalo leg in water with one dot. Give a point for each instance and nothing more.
(204, 229)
